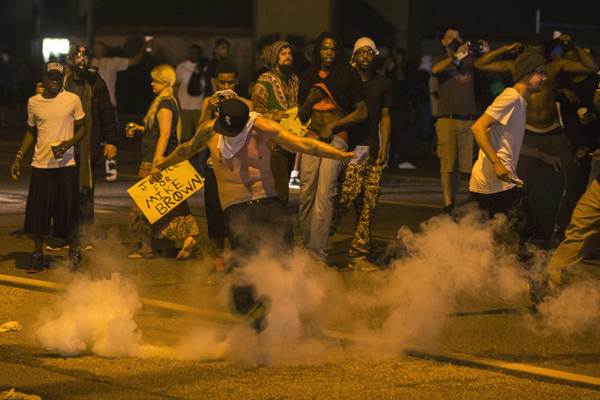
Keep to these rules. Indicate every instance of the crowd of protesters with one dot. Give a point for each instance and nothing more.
(531, 109)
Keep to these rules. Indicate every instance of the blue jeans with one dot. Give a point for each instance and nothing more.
(318, 188)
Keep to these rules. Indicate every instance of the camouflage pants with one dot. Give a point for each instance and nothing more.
(361, 187)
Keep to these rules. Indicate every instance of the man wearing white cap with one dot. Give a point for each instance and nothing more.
(361, 181)
(55, 124)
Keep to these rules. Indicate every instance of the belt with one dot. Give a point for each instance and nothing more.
(255, 202)
(459, 117)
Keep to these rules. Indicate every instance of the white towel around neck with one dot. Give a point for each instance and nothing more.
(229, 146)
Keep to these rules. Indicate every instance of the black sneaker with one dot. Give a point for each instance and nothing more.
(37, 263)
(449, 209)
(75, 258)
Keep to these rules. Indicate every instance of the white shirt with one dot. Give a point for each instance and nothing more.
(55, 122)
(108, 67)
(184, 72)
(506, 137)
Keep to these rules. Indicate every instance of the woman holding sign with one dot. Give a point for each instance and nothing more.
(161, 134)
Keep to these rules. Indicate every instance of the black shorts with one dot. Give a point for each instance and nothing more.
(52, 202)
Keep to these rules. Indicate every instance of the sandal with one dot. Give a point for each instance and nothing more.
(187, 250)
(136, 255)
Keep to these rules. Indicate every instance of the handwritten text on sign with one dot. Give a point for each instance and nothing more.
(157, 198)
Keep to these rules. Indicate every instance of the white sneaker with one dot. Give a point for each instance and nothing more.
(362, 264)
(294, 183)
(52, 247)
(406, 165)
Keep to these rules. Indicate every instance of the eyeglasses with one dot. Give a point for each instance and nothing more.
(369, 52)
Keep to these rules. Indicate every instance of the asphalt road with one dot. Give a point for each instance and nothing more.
(482, 324)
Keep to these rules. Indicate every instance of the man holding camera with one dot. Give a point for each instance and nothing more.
(545, 139)
(457, 110)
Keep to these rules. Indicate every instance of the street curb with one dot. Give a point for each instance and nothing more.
(517, 369)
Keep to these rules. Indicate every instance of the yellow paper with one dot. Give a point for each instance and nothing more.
(292, 123)
(157, 198)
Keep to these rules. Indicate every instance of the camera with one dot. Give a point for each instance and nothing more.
(476, 47)
(454, 44)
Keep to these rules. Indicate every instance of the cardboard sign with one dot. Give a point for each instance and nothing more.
(292, 123)
(157, 198)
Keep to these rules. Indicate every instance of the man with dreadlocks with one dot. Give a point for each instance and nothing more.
(331, 97)
(275, 92)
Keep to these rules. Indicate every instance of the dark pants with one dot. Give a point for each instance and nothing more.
(552, 194)
(402, 137)
(514, 205)
(86, 198)
(254, 226)
(282, 163)
(52, 200)
(215, 218)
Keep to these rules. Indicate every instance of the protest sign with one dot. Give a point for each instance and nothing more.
(156, 198)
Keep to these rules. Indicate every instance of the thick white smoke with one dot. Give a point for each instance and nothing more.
(443, 266)
(572, 311)
(447, 262)
(93, 316)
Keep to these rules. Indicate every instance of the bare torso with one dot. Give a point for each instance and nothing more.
(318, 119)
(247, 176)
(541, 107)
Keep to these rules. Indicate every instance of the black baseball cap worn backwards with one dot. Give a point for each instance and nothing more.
(233, 115)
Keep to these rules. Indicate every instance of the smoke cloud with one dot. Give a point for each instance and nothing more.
(573, 311)
(445, 265)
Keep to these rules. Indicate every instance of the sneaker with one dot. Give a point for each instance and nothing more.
(294, 183)
(362, 264)
(37, 263)
(406, 165)
(56, 247)
(449, 209)
(75, 258)
(87, 247)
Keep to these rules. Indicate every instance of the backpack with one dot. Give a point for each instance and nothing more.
(196, 84)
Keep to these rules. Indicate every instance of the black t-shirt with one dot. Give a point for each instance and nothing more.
(580, 135)
(378, 94)
(210, 71)
(343, 82)
(456, 88)
(151, 135)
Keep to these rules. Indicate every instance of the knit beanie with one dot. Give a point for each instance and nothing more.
(527, 63)
(272, 54)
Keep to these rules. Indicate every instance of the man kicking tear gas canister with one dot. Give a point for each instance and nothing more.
(240, 142)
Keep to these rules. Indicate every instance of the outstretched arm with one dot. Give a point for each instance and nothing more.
(299, 144)
(189, 148)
